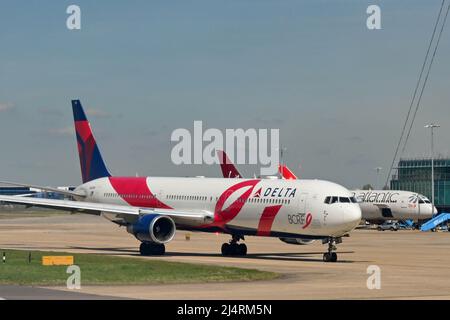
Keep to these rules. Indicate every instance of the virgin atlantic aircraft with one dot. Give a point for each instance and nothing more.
(152, 208)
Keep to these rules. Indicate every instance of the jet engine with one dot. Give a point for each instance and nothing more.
(297, 241)
(153, 228)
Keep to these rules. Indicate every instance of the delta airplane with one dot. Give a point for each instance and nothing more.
(376, 205)
(152, 208)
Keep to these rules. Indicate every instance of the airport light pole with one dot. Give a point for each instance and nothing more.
(432, 126)
(378, 169)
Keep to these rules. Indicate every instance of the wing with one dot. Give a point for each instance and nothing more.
(49, 189)
(119, 213)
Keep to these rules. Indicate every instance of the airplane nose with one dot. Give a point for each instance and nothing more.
(427, 211)
(352, 217)
(435, 211)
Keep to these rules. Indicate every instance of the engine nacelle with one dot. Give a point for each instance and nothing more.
(297, 241)
(153, 228)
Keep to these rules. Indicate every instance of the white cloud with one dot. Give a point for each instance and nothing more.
(97, 113)
(6, 106)
(50, 112)
(66, 131)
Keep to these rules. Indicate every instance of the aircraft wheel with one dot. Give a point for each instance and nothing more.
(242, 249)
(152, 249)
(144, 249)
(333, 257)
(330, 257)
(159, 249)
(226, 248)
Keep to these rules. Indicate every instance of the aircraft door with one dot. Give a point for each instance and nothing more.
(303, 202)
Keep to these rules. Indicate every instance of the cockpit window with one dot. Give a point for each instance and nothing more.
(331, 200)
(419, 198)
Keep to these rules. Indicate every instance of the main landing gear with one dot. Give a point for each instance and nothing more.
(331, 256)
(152, 249)
(233, 248)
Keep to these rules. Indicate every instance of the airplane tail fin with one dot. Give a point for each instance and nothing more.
(286, 173)
(226, 165)
(91, 161)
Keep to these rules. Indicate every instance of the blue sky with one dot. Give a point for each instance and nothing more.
(337, 91)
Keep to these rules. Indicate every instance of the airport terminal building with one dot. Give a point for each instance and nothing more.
(16, 191)
(415, 175)
(29, 192)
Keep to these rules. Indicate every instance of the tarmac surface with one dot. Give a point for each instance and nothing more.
(413, 264)
(33, 293)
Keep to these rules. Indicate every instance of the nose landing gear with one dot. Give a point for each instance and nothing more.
(330, 255)
(233, 248)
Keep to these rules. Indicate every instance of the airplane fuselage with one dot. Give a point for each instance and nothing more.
(379, 205)
(262, 207)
